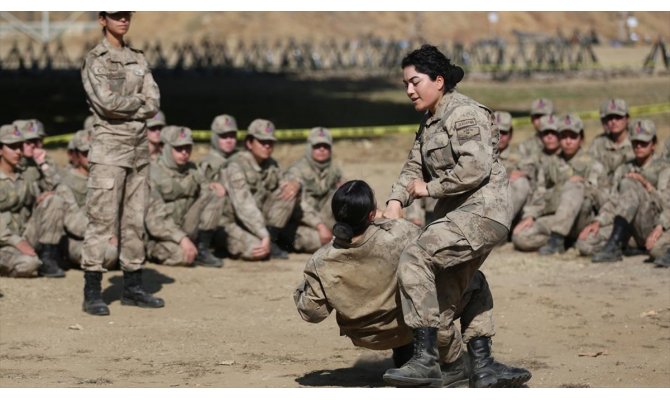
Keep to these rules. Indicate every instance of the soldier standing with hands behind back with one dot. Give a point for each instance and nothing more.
(122, 95)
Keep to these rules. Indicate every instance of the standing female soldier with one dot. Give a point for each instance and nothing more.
(454, 159)
(122, 95)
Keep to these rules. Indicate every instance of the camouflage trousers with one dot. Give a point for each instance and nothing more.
(521, 191)
(277, 211)
(637, 207)
(74, 249)
(662, 246)
(116, 204)
(304, 238)
(204, 214)
(15, 264)
(574, 212)
(434, 274)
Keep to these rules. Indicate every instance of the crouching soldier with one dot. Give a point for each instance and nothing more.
(194, 204)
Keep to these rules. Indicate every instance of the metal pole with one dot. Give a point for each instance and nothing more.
(45, 27)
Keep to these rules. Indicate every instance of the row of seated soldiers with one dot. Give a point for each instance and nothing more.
(234, 203)
(608, 201)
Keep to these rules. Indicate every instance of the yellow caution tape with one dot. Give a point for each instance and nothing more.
(374, 131)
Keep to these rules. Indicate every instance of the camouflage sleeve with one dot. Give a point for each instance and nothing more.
(415, 213)
(8, 196)
(51, 177)
(662, 195)
(151, 94)
(159, 223)
(243, 201)
(411, 170)
(105, 102)
(75, 220)
(537, 202)
(598, 183)
(7, 236)
(309, 297)
(172, 189)
(207, 170)
(470, 131)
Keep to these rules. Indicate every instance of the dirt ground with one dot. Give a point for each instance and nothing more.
(570, 322)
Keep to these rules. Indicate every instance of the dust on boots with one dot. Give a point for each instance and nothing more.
(423, 369)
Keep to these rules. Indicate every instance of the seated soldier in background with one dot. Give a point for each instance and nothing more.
(658, 241)
(563, 202)
(223, 145)
(36, 163)
(634, 204)
(519, 183)
(261, 198)
(532, 147)
(612, 148)
(666, 150)
(312, 222)
(194, 204)
(355, 275)
(154, 126)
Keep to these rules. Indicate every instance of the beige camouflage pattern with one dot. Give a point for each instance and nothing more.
(456, 153)
(47, 175)
(560, 205)
(630, 200)
(359, 282)
(610, 154)
(122, 94)
(164, 234)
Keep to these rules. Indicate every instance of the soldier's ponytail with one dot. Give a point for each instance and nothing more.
(352, 204)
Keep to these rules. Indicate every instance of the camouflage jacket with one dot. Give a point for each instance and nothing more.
(359, 282)
(47, 176)
(551, 178)
(178, 189)
(610, 154)
(456, 153)
(531, 147)
(17, 198)
(317, 188)
(510, 159)
(73, 191)
(122, 94)
(212, 164)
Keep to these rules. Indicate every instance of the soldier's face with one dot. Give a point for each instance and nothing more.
(11, 153)
(616, 123)
(181, 154)
(535, 120)
(29, 147)
(643, 150)
(117, 24)
(154, 135)
(504, 140)
(321, 152)
(421, 90)
(227, 142)
(261, 149)
(550, 140)
(570, 142)
(82, 159)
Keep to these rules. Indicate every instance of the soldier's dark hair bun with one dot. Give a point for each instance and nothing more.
(343, 231)
(351, 205)
(432, 62)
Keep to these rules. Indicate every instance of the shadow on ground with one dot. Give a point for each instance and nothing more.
(152, 280)
(365, 373)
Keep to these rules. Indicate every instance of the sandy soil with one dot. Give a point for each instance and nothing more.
(572, 323)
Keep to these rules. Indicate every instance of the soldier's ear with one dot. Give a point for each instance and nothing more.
(439, 80)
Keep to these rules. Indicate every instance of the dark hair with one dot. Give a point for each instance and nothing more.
(430, 61)
(351, 205)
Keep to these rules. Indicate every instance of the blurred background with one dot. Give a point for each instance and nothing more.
(338, 69)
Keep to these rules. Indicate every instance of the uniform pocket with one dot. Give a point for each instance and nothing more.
(101, 183)
(439, 152)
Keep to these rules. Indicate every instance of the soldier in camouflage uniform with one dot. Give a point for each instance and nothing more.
(455, 160)
(658, 241)
(194, 203)
(531, 147)
(421, 212)
(356, 276)
(666, 150)
(36, 163)
(17, 197)
(261, 198)
(568, 189)
(122, 94)
(313, 220)
(154, 126)
(73, 191)
(223, 146)
(519, 183)
(634, 204)
(612, 147)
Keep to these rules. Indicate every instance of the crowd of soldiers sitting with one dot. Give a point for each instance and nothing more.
(608, 201)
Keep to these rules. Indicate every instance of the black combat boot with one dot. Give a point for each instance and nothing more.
(402, 354)
(487, 373)
(134, 295)
(49, 254)
(556, 244)
(93, 303)
(663, 261)
(275, 250)
(423, 369)
(205, 258)
(614, 247)
(457, 373)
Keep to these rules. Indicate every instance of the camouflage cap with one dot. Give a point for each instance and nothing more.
(548, 123)
(503, 119)
(262, 129)
(81, 140)
(30, 128)
(88, 122)
(643, 130)
(224, 123)
(176, 135)
(615, 107)
(570, 122)
(11, 134)
(320, 135)
(541, 106)
(156, 120)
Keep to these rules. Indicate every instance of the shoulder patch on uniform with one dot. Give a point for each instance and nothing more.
(468, 133)
(464, 123)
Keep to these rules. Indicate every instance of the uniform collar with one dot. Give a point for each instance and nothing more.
(5, 177)
(441, 108)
